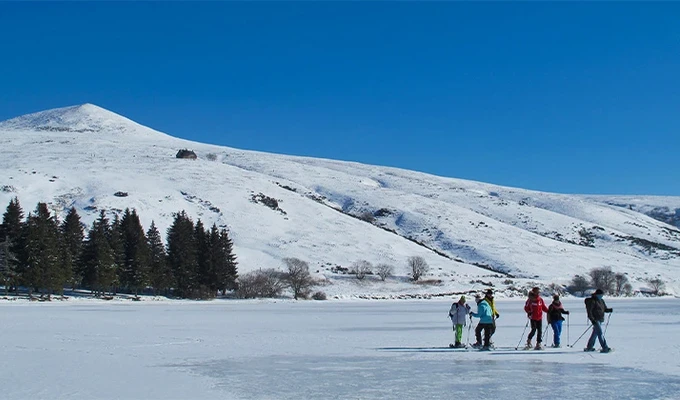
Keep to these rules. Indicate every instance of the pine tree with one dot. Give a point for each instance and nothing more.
(182, 254)
(42, 249)
(72, 236)
(160, 273)
(223, 259)
(11, 231)
(202, 260)
(8, 264)
(115, 237)
(135, 271)
(97, 257)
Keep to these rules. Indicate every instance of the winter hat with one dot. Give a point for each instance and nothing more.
(598, 291)
(478, 297)
(489, 292)
(556, 297)
(462, 299)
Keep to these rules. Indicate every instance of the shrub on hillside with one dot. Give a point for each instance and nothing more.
(264, 283)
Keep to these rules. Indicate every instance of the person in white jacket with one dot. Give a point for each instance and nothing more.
(458, 314)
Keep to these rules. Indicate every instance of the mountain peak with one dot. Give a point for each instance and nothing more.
(82, 118)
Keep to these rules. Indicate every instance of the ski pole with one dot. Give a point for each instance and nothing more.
(521, 338)
(545, 333)
(579, 338)
(468, 333)
(606, 325)
(567, 329)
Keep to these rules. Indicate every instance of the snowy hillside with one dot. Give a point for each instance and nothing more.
(93, 159)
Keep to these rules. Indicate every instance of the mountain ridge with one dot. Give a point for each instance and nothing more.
(333, 212)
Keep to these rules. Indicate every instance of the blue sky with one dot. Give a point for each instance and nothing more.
(564, 97)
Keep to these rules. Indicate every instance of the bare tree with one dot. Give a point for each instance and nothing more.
(384, 271)
(261, 283)
(361, 268)
(621, 284)
(657, 285)
(298, 277)
(417, 267)
(603, 278)
(579, 284)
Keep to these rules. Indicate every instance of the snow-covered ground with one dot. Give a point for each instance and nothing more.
(322, 350)
(83, 156)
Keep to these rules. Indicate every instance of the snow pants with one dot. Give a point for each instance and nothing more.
(458, 329)
(536, 327)
(557, 331)
(597, 333)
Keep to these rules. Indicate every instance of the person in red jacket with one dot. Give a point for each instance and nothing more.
(535, 307)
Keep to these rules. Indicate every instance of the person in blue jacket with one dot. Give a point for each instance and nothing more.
(485, 315)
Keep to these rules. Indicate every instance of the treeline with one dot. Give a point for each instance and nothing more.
(44, 255)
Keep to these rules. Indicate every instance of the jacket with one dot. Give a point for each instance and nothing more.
(484, 313)
(596, 308)
(459, 313)
(492, 303)
(535, 308)
(555, 311)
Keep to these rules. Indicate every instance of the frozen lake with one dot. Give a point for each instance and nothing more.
(323, 350)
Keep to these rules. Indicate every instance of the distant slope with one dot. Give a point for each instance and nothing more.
(81, 156)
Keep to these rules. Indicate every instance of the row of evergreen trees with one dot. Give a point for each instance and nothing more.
(45, 255)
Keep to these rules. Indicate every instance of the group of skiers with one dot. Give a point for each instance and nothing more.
(534, 307)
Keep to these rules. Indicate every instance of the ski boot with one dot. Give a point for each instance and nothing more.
(589, 349)
(528, 346)
(477, 345)
(459, 345)
(606, 350)
(538, 346)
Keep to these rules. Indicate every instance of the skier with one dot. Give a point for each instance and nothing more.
(485, 316)
(534, 308)
(458, 313)
(555, 318)
(489, 299)
(596, 308)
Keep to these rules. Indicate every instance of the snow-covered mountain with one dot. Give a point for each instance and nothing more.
(332, 213)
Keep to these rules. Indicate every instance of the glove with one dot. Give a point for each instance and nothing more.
(529, 316)
(566, 312)
(609, 310)
(498, 316)
(450, 315)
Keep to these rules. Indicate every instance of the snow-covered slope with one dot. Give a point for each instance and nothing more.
(81, 156)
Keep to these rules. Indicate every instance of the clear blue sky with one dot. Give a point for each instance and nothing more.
(565, 97)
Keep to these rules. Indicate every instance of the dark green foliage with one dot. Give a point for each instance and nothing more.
(160, 274)
(182, 255)
(72, 236)
(203, 264)
(134, 274)
(8, 265)
(41, 235)
(222, 260)
(115, 237)
(98, 258)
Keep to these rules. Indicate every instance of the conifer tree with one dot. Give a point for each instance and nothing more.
(181, 244)
(8, 264)
(72, 236)
(115, 237)
(135, 271)
(11, 237)
(160, 273)
(223, 260)
(202, 260)
(97, 257)
(42, 251)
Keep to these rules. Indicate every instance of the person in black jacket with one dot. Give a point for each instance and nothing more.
(596, 308)
(555, 318)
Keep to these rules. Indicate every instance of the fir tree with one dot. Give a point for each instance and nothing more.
(135, 271)
(8, 264)
(72, 236)
(204, 269)
(223, 259)
(115, 237)
(182, 254)
(42, 250)
(160, 273)
(97, 257)
(11, 235)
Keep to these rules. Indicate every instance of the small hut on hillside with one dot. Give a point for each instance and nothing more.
(186, 153)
